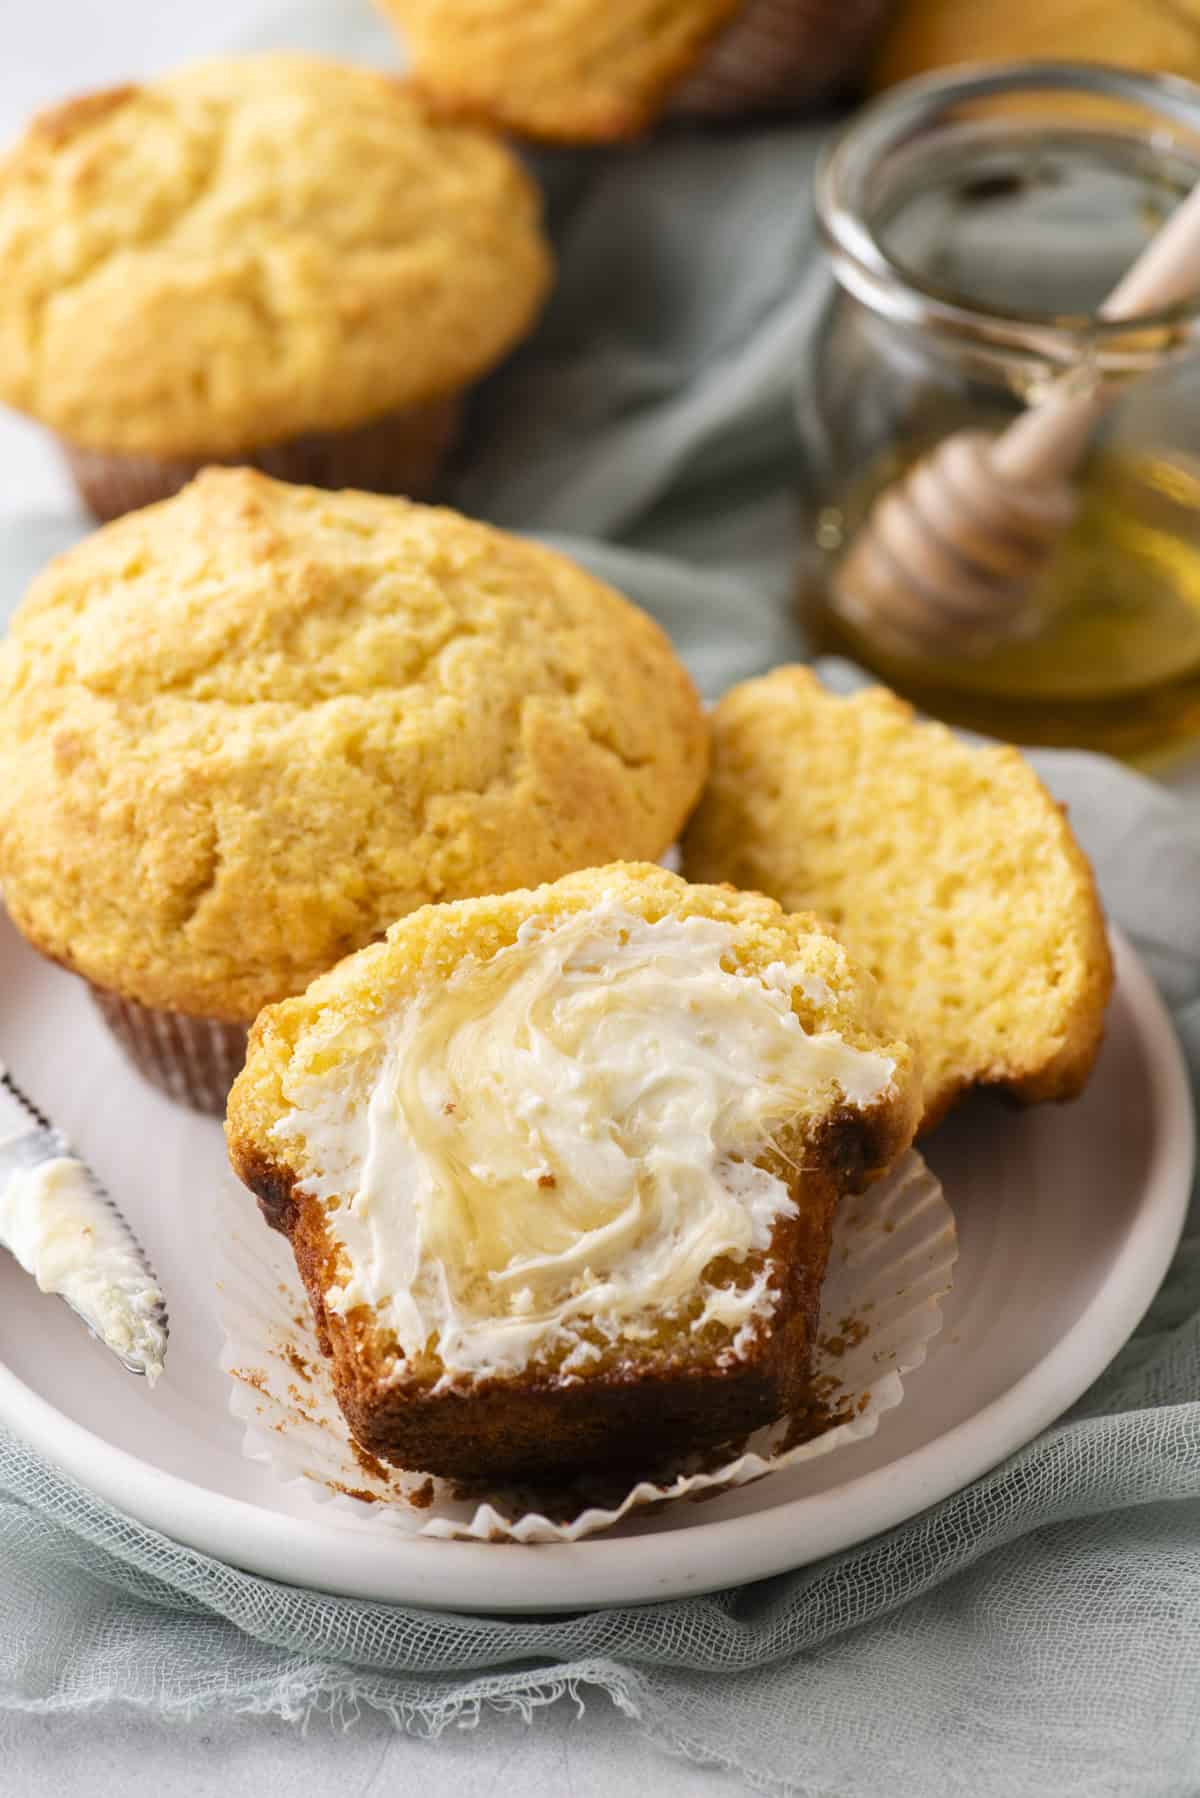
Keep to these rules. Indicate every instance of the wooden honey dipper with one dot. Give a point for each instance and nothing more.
(946, 556)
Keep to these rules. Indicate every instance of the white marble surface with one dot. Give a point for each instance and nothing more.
(47, 50)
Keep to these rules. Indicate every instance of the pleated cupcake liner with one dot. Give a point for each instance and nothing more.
(890, 1268)
(403, 453)
(192, 1060)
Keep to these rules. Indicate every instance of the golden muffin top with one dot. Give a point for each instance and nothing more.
(243, 731)
(253, 248)
(566, 70)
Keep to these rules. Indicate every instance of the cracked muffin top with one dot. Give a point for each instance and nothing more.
(254, 248)
(243, 731)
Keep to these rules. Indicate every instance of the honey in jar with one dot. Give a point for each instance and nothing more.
(975, 224)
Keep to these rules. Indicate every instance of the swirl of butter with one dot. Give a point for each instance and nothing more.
(565, 1136)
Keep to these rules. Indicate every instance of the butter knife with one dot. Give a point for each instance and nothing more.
(61, 1225)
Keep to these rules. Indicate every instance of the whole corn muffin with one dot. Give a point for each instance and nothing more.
(949, 870)
(270, 259)
(244, 730)
(560, 1167)
(574, 71)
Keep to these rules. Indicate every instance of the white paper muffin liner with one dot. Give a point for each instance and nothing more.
(891, 1265)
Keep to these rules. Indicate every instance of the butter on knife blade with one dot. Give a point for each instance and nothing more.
(61, 1226)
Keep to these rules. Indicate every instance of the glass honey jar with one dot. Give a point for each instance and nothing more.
(975, 222)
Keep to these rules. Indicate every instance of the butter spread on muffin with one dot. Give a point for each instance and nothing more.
(254, 249)
(243, 731)
(541, 1150)
(949, 870)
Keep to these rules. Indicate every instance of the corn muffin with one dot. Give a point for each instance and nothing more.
(269, 259)
(572, 71)
(559, 1168)
(244, 730)
(949, 870)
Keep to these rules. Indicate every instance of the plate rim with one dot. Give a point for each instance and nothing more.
(601, 1572)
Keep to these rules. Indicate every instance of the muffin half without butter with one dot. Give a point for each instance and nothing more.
(267, 259)
(559, 1168)
(244, 730)
(948, 868)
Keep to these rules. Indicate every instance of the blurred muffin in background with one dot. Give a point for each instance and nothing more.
(573, 71)
(268, 259)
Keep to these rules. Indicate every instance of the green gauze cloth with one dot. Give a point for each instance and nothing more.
(1038, 1633)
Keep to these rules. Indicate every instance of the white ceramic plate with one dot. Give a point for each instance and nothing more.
(1067, 1221)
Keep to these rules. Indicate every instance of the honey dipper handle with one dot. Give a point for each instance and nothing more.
(1046, 442)
(1168, 269)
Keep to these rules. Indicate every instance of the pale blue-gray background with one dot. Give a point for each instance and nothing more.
(656, 408)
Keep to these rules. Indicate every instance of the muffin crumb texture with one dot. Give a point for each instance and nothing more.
(247, 729)
(949, 870)
(251, 249)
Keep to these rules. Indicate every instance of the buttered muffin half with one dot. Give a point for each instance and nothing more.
(949, 870)
(559, 1168)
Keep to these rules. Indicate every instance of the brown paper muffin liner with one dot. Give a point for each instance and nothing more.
(193, 1060)
(402, 453)
(780, 54)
